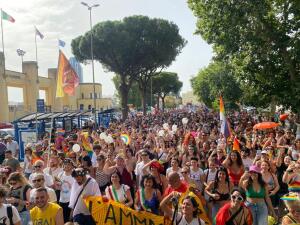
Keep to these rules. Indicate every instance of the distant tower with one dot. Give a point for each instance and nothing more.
(77, 67)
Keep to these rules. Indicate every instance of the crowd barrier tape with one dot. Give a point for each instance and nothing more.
(114, 213)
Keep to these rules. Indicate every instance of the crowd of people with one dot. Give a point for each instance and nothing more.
(165, 155)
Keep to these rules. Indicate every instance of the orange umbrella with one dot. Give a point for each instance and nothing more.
(283, 117)
(265, 125)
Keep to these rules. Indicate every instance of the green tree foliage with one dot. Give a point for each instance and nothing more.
(261, 39)
(214, 80)
(165, 83)
(133, 96)
(133, 48)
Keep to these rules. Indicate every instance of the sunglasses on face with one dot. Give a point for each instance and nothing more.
(239, 198)
(185, 172)
(37, 180)
(37, 166)
(12, 183)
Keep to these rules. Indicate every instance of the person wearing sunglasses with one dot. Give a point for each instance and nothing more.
(39, 182)
(235, 211)
(292, 203)
(38, 167)
(19, 194)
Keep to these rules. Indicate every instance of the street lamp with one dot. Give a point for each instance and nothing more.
(21, 53)
(92, 54)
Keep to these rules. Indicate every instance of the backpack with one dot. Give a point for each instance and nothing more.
(10, 214)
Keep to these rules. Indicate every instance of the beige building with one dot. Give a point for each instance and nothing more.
(189, 98)
(31, 83)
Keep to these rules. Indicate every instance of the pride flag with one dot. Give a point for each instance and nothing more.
(236, 145)
(67, 79)
(86, 144)
(225, 130)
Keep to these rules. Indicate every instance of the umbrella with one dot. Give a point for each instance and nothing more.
(265, 125)
(283, 117)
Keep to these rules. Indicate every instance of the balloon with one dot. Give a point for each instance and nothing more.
(76, 148)
(103, 135)
(161, 133)
(185, 120)
(174, 128)
(109, 139)
(166, 126)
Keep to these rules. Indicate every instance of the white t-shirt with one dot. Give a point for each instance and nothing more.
(27, 165)
(53, 173)
(4, 220)
(48, 179)
(196, 176)
(139, 170)
(180, 220)
(50, 191)
(13, 146)
(209, 175)
(247, 162)
(170, 170)
(66, 185)
(121, 192)
(92, 188)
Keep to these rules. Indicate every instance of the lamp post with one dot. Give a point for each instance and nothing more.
(21, 53)
(92, 55)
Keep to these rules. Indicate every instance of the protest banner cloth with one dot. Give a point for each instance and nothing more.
(114, 213)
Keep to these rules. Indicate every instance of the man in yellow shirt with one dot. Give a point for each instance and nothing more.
(45, 212)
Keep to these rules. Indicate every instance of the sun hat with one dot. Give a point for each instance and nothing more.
(255, 169)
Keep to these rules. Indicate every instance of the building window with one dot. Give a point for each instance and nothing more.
(81, 106)
(82, 95)
(91, 95)
(100, 95)
(95, 95)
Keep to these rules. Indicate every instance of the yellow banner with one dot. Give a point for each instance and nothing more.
(114, 213)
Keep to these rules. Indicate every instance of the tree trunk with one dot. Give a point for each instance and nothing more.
(144, 100)
(163, 103)
(124, 100)
(157, 102)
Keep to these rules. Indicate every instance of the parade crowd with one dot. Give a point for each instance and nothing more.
(148, 162)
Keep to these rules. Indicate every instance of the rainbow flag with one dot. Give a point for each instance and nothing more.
(67, 79)
(86, 144)
(225, 130)
(125, 138)
(294, 186)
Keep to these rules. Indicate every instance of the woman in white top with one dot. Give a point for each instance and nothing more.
(188, 214)
(174, 167)
(118, 192)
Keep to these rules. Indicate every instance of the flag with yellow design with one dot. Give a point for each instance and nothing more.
(67, 79)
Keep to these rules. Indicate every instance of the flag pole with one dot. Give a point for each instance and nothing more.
(36, 56)
(2, 43)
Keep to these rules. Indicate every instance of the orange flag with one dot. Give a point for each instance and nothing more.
(67, 79)
(236, 145)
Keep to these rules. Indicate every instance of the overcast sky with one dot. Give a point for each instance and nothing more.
(66, 19)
